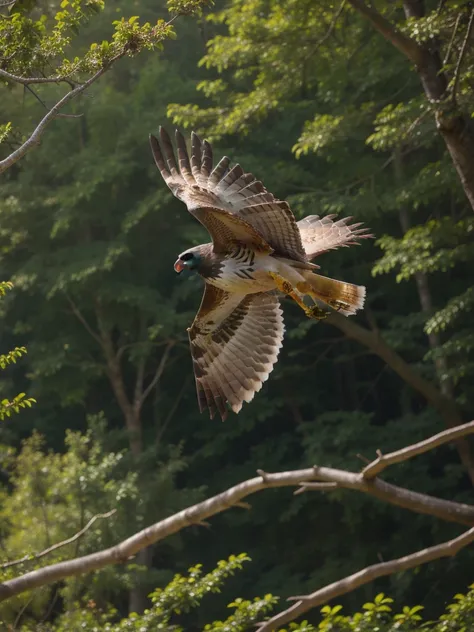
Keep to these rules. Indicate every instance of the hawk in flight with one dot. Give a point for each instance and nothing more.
(257, 247)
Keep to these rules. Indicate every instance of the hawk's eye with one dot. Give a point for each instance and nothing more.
(187, 256)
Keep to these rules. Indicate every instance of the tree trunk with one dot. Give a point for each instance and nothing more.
(453, 125)
(131, 410)
(423, 288)
(137, 598)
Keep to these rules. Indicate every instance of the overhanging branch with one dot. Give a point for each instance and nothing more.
(52, 114)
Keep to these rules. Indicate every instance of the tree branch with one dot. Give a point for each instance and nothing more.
(384, 460)
(58, 545)
(457, 71)
(366, 575)
(445, 406)
(26, 81)
(160, 530)
(198, 513)
(78, 314)
(52, 114)
(158, 373)
(404, 44)
(393, 494)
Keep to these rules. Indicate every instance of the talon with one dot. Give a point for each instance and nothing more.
(316, 313)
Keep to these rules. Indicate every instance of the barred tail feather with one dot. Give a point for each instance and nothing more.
(345, 298)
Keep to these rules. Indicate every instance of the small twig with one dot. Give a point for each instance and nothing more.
(450, 46)
(366, 575)
(22, 612)
(457, 71)
(383, 461)
(58, 545)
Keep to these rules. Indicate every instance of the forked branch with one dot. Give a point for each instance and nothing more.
(384, 460)
(320, 478)
(52, 114)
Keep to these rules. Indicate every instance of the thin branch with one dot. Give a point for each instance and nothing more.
(52, 114)
(405, 44)
(173, 409)
(451, 42)
(384, 460)
(366, 575)
(331, 28)
(457, 71)
(158, 373)
(40, 100)
(78, 314)
(58, 545)
(26, 81)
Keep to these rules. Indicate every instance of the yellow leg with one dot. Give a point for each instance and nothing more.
(284, 286)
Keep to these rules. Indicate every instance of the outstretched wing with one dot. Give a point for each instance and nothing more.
(320, 234)
(235, 340)
(205, 189)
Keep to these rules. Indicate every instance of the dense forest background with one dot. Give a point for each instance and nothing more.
(331, 117)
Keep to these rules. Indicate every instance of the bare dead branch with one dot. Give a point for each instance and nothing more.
(457, 71)
(128, 548)
(395, 495)
(384, 460)
(52, 114)
(197, 514)
(58, 545)
(366, 575)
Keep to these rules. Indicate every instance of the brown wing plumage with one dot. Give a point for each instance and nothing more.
(320, 234)
(240, 194)
(235, 340)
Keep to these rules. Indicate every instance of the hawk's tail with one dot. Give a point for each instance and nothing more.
(345, 298)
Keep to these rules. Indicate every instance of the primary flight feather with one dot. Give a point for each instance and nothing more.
(257, 247)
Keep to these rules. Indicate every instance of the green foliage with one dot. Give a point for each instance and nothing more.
(89, 233)
(182, 595)
(20, 401)
(379, 616)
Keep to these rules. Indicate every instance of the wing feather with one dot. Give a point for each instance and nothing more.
(227, 189)
(320, 234)
(235, 340)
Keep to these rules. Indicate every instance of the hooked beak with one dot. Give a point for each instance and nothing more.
(178, 266)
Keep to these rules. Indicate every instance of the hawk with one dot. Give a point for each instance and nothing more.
(257, 247)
